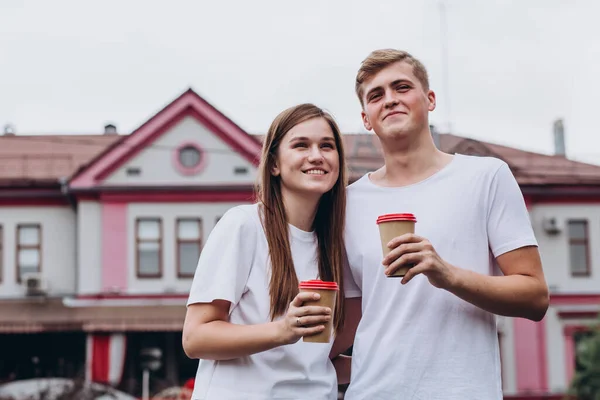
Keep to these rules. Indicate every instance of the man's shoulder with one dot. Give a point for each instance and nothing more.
(478, 165)
(480, 162)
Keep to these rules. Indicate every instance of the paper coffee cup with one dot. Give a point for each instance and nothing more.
(328, 292)
(391, 226)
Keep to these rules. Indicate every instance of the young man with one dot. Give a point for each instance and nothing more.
(432, 334)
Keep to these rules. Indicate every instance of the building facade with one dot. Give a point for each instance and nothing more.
(100, 235)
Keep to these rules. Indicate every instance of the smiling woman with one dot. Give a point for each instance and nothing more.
(245, 315)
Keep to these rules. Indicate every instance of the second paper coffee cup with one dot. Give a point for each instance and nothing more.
(391, 226)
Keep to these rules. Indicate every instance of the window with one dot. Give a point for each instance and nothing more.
(29, 249)
(189, 246)
(579, 248)
(149, 247)
(190, 156)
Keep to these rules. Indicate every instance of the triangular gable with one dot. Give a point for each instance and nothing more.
(189, 104)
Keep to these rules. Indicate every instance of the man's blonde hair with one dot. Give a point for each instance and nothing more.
(380, 59)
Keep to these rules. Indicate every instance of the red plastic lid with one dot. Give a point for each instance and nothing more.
(318, 284)
(396, 217)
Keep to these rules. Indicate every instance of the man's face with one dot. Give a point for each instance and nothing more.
(395, 103)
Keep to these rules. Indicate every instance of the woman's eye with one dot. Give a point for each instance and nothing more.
(299, 145)
(328, 145)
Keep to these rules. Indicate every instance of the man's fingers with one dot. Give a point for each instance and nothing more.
(400, 250)
(406, 238)
(404, 260)
(414, 271)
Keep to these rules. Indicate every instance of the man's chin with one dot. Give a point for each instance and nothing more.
(396, 131)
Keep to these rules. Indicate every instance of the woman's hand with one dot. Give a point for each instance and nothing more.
(302, 320)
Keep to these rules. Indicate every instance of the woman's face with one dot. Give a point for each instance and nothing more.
(307, 159)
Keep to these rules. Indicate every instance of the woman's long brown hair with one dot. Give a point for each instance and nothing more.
(328, 224)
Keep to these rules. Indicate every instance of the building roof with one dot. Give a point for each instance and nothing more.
(39, 159)
(189, 104)
(529, 168)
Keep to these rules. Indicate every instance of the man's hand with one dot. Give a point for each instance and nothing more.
(521, 292)
(412, 249)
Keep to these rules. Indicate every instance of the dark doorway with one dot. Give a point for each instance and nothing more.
(42, 355)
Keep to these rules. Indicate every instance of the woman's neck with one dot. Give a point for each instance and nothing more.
(300, 209)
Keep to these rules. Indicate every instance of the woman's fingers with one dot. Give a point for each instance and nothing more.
(311, 310)
(312, 330)
(303, 297)
(312, 320)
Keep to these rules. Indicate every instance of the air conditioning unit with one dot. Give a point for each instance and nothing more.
(34, 284)
(551, 226)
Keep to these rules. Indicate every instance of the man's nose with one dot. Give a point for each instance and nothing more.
(390, 99)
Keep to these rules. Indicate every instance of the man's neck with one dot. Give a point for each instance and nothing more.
(300, 209)
(409, 162)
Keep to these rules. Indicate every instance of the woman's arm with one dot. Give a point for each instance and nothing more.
(208, 334)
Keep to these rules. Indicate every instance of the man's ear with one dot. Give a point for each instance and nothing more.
(365, 121)
(432, 102)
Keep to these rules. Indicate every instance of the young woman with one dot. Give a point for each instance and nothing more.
(245, 317)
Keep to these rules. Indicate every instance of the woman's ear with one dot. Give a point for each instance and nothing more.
(275, 171)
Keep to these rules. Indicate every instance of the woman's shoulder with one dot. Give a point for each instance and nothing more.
(244, 216)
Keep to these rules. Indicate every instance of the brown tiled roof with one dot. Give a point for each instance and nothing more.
(51, 157)
(47, 158)
(364, 154)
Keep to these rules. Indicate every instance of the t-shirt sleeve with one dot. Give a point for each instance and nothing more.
(508, 222)
(351, 289)
(226, 259)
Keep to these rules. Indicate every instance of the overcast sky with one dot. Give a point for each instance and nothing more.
(513, 66)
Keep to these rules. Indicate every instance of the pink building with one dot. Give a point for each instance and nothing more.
(100, 234)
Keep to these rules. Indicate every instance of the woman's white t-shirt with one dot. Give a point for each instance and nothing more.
(235, 266)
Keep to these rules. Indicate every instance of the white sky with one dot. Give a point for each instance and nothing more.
(514, 66)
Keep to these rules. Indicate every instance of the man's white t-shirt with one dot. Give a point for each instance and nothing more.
(416, 341)
(235, 266)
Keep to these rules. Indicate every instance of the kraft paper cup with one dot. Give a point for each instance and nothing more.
(328, 292)
(391, 226)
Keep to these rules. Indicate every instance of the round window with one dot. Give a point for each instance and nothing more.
(189, 157)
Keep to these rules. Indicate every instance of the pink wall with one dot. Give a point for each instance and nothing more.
(114, 246)
(530, 355)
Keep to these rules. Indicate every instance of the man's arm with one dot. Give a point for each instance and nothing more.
(521, 292)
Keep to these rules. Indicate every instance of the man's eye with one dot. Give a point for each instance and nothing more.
(403, 87)
(374, 97)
